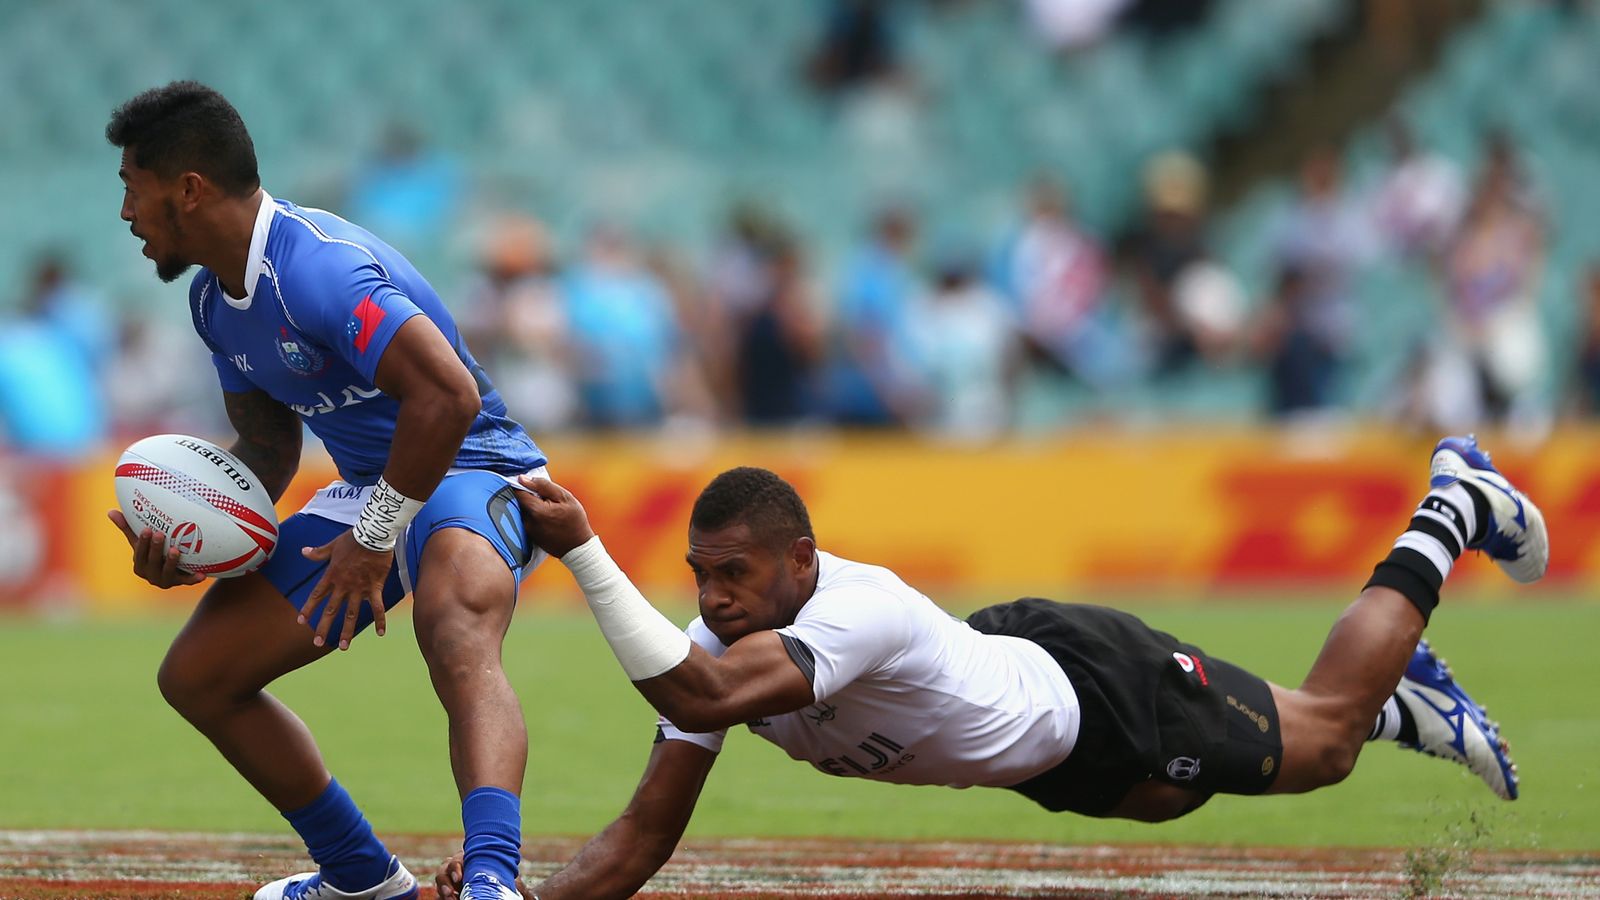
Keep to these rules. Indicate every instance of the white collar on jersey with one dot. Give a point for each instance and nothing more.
(256, 261)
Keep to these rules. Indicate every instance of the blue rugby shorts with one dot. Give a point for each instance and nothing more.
(481, 502)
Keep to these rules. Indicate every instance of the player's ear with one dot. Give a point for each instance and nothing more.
(802, 554)
(191, 188)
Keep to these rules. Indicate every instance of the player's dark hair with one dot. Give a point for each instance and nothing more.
(187, 127)
(755, 497)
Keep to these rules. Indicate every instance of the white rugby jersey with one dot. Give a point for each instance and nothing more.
(907, 693)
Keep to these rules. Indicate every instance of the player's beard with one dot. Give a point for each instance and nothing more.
(169, 268)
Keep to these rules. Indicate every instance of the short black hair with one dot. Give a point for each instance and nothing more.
(757, 498)
(187, 127)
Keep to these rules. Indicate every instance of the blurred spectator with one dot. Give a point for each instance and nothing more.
(1437, 392)
(70, 307)
(869, 382)
(50, 400)
(780, 342)
(515, 323)
(1324, 239)
(1164, 18)
(1069, 25)
(1492, 271)
(628, 349)
(150, 383)
(407, 195)
(967, 348)
(739, 277)
(1055, 273)
(857, 46)
(1589, 346)
(1191, 305)
(695, 401)
(738, 280)
(1420, 200)
(1302, 362)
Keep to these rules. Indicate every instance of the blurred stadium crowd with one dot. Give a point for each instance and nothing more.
(967, 218)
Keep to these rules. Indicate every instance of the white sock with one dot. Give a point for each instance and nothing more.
(1441, 528)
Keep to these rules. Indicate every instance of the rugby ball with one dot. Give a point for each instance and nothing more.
(208, 503)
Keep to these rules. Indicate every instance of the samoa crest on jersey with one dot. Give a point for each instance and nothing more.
(298, 354)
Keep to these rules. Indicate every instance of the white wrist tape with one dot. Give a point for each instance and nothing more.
(643, 640)
(384, 518)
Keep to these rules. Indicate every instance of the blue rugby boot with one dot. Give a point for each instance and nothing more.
(1515, 536)
(1451, 726)
(400, 885)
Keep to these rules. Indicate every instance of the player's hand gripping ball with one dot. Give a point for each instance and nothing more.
(207, 503)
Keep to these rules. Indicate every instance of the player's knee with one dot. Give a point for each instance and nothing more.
(188, 686)
(1337, 760)
(459, 642)
(1328, 763)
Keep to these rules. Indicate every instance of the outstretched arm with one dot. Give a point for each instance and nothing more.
(699, 692)
(621, 858)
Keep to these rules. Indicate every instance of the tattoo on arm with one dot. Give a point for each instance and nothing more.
(269, 438)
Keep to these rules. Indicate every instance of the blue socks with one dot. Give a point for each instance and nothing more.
(341, 842)
(492, 818)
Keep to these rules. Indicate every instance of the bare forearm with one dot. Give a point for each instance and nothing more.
(615, 863)
(269, 439)
(692, 695)
(270, 464)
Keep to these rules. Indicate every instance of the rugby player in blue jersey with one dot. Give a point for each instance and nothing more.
(315, 323)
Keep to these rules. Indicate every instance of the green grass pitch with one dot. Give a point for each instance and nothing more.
(88, 742)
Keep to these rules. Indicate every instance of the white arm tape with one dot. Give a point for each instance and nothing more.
(643, 640)
(384, 518)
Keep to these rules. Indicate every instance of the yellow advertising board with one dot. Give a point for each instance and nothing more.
(1172, 512)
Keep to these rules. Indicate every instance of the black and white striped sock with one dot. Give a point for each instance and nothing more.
(1447, 521)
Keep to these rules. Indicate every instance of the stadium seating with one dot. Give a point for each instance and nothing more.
(653, 113)
(1548, 110)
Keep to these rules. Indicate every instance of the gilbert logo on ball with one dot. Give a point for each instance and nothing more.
(210, 505)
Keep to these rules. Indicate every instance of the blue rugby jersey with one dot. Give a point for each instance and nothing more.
(325, 299)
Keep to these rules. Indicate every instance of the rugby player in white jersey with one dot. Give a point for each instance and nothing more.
(1077, 707)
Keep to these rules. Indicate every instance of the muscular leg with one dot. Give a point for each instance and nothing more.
(464, 601)
(1326, 721)
(242, 636)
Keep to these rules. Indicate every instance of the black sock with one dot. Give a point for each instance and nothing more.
(1394, 723)
(1448, 520)
(1408, 725)
(1480, 513)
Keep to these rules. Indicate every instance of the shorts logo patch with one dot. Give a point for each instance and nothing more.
(503, 512)
(1192, 666)
(1183, 768)
(1267, 766)
(1262, 723)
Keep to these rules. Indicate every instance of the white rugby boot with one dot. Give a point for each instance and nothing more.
(1451, 725)
(484, 886)
(400, 885)
(1515, 536)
